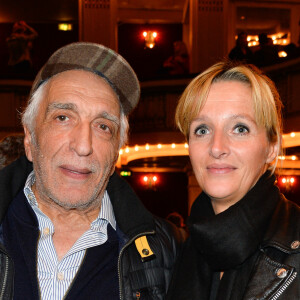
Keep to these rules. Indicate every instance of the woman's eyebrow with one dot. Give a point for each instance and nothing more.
(243, 116)
(233, 117)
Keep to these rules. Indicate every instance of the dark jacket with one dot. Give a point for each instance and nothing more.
(256, 242)
(147, 278)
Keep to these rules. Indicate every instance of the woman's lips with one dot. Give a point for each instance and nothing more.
(220, 169)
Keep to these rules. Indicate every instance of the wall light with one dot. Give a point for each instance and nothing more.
(65, 26)
(150, 181)
(282, 54)
(287, 183)
(150, 37)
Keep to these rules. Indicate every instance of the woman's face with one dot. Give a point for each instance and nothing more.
(228, 150)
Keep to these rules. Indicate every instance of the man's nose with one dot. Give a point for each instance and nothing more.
(219, 145)
(81, 140)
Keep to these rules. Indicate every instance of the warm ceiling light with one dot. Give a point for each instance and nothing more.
(65, 26)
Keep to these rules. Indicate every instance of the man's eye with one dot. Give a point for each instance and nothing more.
(241, 129)
(201, 130)
(104, 127)
(62, 118)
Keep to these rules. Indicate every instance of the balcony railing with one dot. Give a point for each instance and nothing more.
(155, 112)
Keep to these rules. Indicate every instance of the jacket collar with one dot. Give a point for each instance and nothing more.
(131, 216)
(284, 229)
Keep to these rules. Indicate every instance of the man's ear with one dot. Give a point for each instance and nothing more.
(27, 143)
(114, 164)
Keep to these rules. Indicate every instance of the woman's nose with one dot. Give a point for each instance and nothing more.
(219, 145)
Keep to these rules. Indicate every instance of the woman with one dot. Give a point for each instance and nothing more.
(244, 235)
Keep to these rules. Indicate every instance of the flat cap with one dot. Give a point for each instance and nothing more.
(100, 60)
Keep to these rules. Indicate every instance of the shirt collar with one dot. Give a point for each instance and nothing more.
(106, 211)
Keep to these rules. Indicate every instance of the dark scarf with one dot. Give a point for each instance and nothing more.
(226, 242)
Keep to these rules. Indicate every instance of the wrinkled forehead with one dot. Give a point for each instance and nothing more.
(77, 85)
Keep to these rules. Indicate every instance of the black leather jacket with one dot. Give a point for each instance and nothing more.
(277, 273)
(133, 220)
(270, 271)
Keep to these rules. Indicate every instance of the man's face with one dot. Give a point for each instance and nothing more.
(77, 133)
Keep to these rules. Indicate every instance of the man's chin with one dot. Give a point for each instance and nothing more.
(69, 203)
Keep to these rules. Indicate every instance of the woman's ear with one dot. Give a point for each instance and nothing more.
(272, 152)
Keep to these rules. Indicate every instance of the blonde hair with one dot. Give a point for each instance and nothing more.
(266, 100)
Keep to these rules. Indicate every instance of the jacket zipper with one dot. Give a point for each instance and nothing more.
(284, 287)
(5, 277)
(119, 258)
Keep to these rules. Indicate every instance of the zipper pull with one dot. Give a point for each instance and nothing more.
(138, 295)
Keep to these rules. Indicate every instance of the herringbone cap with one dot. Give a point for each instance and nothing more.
(100, 60)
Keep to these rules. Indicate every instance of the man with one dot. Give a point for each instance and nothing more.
(71, 228)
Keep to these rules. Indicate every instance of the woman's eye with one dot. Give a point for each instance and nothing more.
(241, 129)
(62, 118)
(201, 130)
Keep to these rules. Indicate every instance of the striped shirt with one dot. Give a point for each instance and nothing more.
(54, 276)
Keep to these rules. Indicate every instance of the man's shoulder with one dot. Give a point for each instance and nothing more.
(168, 232)
(12, 181)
